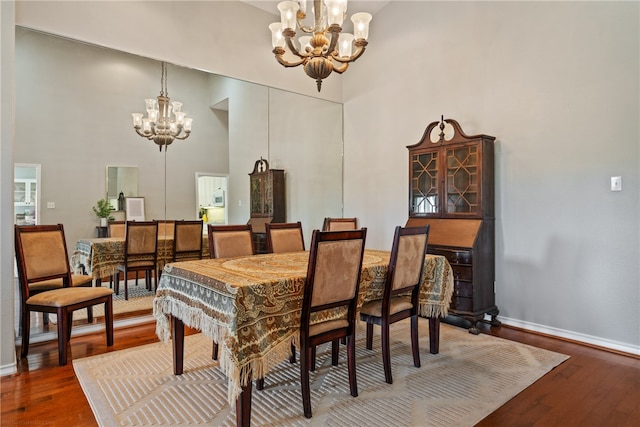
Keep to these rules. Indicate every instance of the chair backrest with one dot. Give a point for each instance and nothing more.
(406, 263)
(41, 254)
(141, 240)
(187, 240)
(339, 224)
(165, 227)
(227, 241)
(284, 237)
(333, 273)
(116, 228)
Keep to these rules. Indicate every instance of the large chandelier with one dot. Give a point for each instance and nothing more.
(329, 49)
(159, 126)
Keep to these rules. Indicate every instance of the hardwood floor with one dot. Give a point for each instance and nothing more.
(593, 388)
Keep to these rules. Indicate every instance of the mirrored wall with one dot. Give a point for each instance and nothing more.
(93, 92)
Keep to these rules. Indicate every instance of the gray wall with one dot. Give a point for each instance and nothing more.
(557, 84)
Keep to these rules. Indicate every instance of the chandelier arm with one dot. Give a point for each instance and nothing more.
(278, 52)
(293, 49)
(148, 136)
(358, 53)
(183, 137)
(342, 68)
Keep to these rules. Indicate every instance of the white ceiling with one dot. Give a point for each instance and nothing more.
(370, 6)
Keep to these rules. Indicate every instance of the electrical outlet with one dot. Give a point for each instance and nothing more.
(616, 183)
(51, 205)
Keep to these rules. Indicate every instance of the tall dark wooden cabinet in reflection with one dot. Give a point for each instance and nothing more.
(451, 188)
(267, 201)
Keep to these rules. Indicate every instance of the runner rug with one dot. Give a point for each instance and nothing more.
(471, 377)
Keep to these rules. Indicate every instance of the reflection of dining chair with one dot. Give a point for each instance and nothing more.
(333, 278)
(187, 240)
(48, 286)
(227, 241)
(400, 297)
(165, 227)
(140, 253)
(339, 224)
(116, 228)
(284, 237)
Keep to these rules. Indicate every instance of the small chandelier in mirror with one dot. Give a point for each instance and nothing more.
(329, 49)
(159, 125)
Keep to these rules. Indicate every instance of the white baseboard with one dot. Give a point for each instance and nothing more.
(10, 369)
(575, 336)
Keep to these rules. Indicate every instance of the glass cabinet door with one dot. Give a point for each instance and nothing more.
(20, 192)
(424, 197)
(462, 189)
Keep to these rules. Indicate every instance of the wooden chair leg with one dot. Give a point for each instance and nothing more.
(90, 314)
(335, 352)
(26, 327)
(312, 359)
(369, 336)
(214, 351)
(386, 352)
(126, 285)
(415, 348)
(292, 358)
(260, 383)
(63, 320)
(434, 335)
(305, 366)
(351, 364)
(108, 320)
(116, 282)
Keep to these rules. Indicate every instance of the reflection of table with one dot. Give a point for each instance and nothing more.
(100, 257)
(251, 307)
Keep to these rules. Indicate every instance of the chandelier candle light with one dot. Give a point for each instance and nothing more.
(159, 126)
(329, 49)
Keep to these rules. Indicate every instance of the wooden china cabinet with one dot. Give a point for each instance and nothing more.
(267, 201)
(451, 188)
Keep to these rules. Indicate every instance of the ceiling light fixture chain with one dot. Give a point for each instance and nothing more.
(160, 126)
(329, 49)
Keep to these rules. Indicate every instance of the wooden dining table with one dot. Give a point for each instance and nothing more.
(251, 307)
(100, 257)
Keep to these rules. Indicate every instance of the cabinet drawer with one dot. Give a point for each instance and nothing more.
(462, 289)
(462, 272)
(461, 303)
(454, 256)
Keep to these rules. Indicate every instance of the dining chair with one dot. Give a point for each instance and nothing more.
(187, 240)
(284, 237)
(332, 282)
(400, 296)
(339, 224)
(227, 241)
(165, 227)
(48, 286)
(116, 229)
(140, 254)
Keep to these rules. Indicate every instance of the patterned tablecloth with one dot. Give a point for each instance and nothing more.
(251, 305)
(99, 257)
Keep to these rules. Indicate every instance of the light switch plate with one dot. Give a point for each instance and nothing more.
(51, 205)
(616, 183)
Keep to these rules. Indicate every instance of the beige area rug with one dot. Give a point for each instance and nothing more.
(471, 377)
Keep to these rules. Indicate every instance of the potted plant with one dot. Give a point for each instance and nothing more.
(103, 209)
